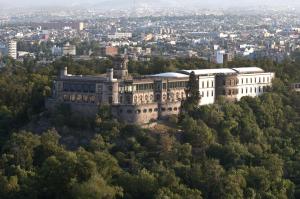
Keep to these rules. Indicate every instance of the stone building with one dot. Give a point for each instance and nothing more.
(149, 98)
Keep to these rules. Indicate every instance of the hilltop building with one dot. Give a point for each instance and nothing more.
(149, 98)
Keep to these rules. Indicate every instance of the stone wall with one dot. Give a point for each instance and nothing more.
(142, 114)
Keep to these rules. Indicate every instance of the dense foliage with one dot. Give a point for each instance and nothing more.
(249, 149)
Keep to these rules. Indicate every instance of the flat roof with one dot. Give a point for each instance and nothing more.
(249, 70)
(241, 70)
(170, 75)
(209, 71)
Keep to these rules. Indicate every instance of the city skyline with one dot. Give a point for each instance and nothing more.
(124, 4)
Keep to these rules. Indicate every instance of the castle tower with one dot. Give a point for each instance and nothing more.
(121, 71)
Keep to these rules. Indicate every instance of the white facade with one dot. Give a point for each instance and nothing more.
(252, 82)
(207, 90)
(253, 85)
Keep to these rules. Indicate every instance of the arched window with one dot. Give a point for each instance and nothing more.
(164, 97)
(141, 99)
(151, 98)
(177, 96)
(135, 99)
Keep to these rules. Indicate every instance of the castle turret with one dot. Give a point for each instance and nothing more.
(121, 71)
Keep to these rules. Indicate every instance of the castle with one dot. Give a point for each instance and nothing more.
(149, 98)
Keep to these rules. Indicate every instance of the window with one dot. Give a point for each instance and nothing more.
(85, 98)
(175, 109)
(207, 84)
(164, 86)
(150, 110)
(66, 98)
(129, 111)
(203, 84)
(164, 96)
(242, 91)
(92, 99)
(128, 99)
(163, 109)
(158, 97)
(99, 89)
(170, 109)
(145, 110)
(177, 96)
(156, 109)
(212, 83)
(79, 98)
(141, 99)
(212, 93)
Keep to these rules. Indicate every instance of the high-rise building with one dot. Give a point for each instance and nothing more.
(81, 26)
(12, 49)
(220, 56)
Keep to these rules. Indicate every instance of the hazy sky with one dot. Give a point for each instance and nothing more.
(155, 3)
